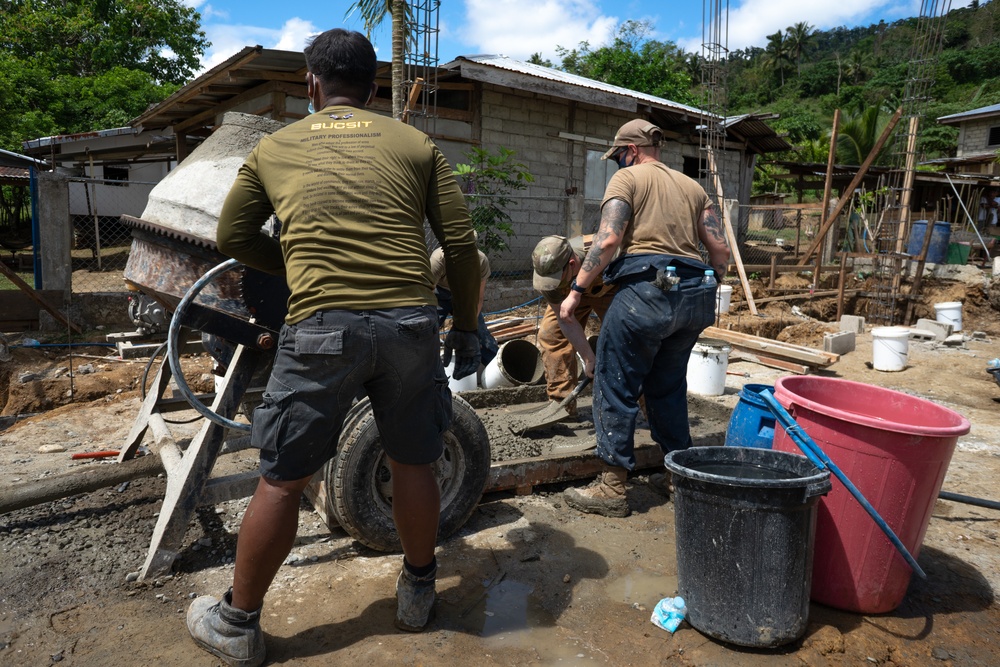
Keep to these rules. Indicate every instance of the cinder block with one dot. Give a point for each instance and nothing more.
(839, 343)
(852, 323)
(941, 330)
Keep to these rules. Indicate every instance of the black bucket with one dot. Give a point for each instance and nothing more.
(745, 522)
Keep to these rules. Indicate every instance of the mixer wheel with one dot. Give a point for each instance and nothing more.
(359, 480)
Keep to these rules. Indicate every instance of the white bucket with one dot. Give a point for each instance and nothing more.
(722, 298)
(517, 362)
(950, 313)
(468, 383)
(707, 365)
(890, 348)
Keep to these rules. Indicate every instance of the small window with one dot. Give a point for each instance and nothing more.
(115, 173)
(693, 167)
(598, 174)
(994, 139)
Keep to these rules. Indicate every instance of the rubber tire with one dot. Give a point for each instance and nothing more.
(359, 482)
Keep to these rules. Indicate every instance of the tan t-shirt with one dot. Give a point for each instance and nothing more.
(440, 277)
(666, 207)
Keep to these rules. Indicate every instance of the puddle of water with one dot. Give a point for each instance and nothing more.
(512, 617)
(642, 587)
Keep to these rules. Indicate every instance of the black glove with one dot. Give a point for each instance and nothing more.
(465, 345)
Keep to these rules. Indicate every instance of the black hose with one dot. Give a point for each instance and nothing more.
(969, 500)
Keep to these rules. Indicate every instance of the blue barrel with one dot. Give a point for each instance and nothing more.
(752, 423)
(937, 251)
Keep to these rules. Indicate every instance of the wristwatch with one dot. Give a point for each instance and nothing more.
(576, 288)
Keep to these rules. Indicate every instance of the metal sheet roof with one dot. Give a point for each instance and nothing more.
(567, 79)
(760, 136)
(973, 114)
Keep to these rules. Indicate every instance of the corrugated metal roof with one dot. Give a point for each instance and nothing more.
(44, 142)
(981, 112)
(558, 76)
(8, 174)
(752, 129)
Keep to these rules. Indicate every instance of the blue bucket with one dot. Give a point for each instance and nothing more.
(752, 423)
(937, 251)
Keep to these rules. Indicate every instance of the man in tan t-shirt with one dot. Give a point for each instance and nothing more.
(655, 218)
(556, 260)
(488, 347)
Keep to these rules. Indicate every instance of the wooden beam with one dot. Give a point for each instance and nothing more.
(37, 298)
(826, 190)
(730, 235)
(846, 195)
(773, 348)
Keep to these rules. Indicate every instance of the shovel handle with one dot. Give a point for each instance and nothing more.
(578, 388)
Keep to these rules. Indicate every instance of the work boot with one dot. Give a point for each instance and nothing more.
(231, 634)
(414, 600)
(662, 483)
(606, 496)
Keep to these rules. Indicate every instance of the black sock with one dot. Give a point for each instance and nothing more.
(420, 571)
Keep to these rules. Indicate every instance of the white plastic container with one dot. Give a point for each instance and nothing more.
(949, 313)
(707, 366)
(468, 383)
(723, 297)
(890, 348)
(517, 362)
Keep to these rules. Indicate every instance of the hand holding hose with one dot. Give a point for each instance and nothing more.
(465, 346)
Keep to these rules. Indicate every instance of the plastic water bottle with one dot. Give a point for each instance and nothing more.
(673, 279)
(668, 613)
(709, 279)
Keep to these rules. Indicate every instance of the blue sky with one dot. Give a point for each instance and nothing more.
(518, 28)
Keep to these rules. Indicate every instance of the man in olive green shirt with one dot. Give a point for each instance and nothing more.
(352, 190)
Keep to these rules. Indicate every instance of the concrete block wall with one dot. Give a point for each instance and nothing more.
(973, 136)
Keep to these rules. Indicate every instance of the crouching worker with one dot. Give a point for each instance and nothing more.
(556, 261)
(652, 217)
(361, 317)
(439, 276)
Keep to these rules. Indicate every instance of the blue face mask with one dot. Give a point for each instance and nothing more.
(620, 159)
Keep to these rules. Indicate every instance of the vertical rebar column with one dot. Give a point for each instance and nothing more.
(715, 37)
(893, 228)
(421, 61)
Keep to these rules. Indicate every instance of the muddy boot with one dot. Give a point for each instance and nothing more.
(606, 496)
(231, 634)
(414, 600)
(662, 483)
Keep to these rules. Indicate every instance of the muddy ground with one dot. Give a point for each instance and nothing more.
(526, 581)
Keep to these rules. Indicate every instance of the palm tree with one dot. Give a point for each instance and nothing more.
(799, 38)
(776, 54)
(858, 133)
(857, 66)
(373, 12)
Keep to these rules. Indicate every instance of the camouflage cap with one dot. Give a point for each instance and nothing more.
(638, 132)
(549, 260)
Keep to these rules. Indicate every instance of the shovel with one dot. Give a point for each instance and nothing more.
(552, 413)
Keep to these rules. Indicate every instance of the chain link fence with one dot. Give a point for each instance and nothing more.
(101, 241)
(781, 232)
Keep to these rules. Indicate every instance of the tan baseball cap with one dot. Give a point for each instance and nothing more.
(549, 260)
(639, 132)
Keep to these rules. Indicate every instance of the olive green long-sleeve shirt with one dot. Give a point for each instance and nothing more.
(352, 190)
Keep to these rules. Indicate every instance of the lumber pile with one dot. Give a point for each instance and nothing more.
(775, 354)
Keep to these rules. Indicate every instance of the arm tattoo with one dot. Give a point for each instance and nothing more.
(614, 219)
(714, 227)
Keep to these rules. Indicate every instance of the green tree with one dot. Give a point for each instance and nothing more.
(489, 180)
(536, 59)
(858, 132)
(162, 38)
(856, 67)
(799, 38)
(373, 13)
(632, 61)
(775, 55)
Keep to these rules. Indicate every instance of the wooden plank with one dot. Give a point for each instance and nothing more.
(37, 298)
(734, 247)
(773, 348)
(803, 295)
(773, 362)
(846, 194)
(827, 182)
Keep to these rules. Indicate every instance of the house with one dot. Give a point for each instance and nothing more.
(558, 124)
(978, 139)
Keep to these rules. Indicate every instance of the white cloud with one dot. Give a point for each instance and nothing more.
(753, 20)
(519, 28)
(228, 40)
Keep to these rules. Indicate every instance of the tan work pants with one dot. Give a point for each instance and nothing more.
(558, 355)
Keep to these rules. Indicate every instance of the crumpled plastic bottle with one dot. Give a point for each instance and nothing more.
(668, 613)
(992, 364)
